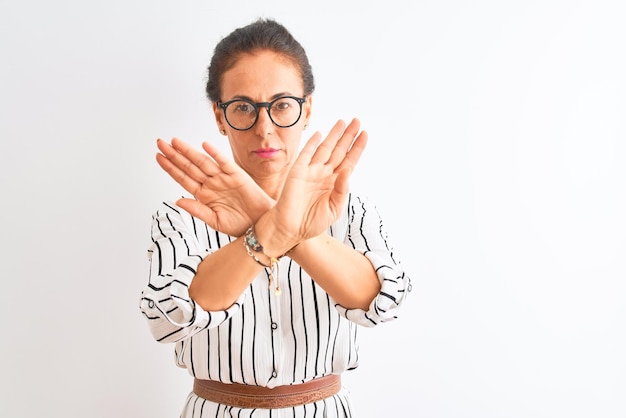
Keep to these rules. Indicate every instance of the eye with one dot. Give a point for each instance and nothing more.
(282, 104)
(242, 107)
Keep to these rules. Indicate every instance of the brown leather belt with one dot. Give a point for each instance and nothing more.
(250, 396)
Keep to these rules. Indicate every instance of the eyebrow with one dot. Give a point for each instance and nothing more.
(275, 96)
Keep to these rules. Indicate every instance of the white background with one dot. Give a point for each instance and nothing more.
(497, 156)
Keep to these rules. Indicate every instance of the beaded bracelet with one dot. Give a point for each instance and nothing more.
(251, 243)
(249, 251)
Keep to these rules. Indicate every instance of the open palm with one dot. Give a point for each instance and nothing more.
(317, 184)
(226, 197)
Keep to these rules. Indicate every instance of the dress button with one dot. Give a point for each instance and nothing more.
(151, 304)
(274, 374)
(274, 325)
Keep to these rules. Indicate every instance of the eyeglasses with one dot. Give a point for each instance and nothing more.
(242, 114)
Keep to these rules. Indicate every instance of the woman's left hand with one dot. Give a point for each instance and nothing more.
(317, 184)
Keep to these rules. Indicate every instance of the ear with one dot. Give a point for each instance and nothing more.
(307, 108)
(219, 117)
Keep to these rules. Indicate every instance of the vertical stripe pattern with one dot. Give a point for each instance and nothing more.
(264, 339)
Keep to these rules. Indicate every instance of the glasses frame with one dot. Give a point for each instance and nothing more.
(258, 106)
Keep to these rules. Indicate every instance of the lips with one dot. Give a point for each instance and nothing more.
(266, 152)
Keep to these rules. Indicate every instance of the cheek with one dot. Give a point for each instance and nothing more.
(237, 149)
(292, 144)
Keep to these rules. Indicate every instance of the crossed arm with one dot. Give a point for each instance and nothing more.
(229, 201)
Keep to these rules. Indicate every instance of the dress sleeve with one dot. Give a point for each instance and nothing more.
(174, 257)
(365, 233)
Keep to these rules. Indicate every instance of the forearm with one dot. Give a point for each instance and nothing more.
(223, 276)
(344, 273)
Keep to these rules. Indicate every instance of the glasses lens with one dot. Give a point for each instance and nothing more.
(241, 114)
(285, 111)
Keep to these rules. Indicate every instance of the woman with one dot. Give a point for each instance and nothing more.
(263, 277)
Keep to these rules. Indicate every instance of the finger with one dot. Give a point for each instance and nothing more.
(178, 175)
(339, 192)
(307, 152)
(198, 209)
(198, 164)
(325, 149)
(352, 157)
(341, 188)
(222, 160)
(181, 162)
(344, 144)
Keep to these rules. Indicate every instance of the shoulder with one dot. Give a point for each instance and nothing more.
(168, 213)
(359, 204)
(356, 208)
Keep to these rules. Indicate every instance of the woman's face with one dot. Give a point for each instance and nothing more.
(264, 151)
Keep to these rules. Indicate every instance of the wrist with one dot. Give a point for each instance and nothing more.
(254, 247)
(269, 238)
(263, 206)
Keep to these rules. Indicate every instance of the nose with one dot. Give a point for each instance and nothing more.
(264, 124)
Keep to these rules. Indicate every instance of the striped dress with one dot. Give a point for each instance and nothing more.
(264, 339)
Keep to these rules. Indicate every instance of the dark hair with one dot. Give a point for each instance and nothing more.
(263, 34)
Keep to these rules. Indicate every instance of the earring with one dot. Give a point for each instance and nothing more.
(306, 125)
(222, 131)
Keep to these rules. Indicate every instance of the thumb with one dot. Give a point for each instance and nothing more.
(342, 181)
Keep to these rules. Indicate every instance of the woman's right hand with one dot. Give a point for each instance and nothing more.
(226, 197)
